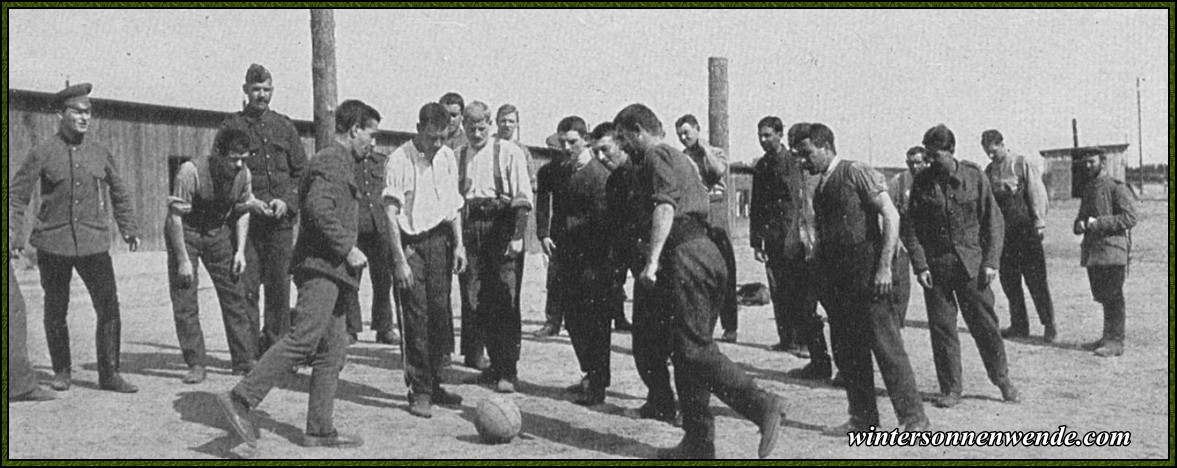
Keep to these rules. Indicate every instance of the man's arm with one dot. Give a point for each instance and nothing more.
(180, 204)
(297, 160)
(20, 192)
(882, 204)
(459, 245)
(324, 197)
(992, 229)
(400, 265)
(1123, 216)
(714, 165)
(1035, 194)
(907, 234)
(659, 230)
(520, 182)
(124, 207)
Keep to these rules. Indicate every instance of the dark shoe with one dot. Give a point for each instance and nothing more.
(116, 383)
(1009, 392)
(61, 381)
(235, 412)
(578, 387)
(36, 394)
(622, 325)
(486, 377)
(421, 406)
(919, 425)
(845, 428)
(683, 451)
(444, 398)
(388, 337)
(770, 426)
(1012, 332)
(592, 396)
(728, 336)
(839, 380)
(1110, 349)
(505, 386)
(336, 440)
(815, 370)
(479, 362)
(799, 351)
(947, 400)
(547, 331)
(195, 375)
(1092, 346)
(648, 411)
(1050, 334)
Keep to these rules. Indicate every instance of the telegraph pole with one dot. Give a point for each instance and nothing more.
(1139, 135)
(323, 75)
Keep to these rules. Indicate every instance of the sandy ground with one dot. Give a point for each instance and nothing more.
(1060, 384)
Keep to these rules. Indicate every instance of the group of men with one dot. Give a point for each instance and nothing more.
(619, 201)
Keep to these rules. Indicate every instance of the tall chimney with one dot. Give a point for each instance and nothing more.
(1075, 131)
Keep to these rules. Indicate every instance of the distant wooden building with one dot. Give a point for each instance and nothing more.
(1061, 175)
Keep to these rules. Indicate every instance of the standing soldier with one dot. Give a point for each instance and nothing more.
(1021, 195)
(954, 234)
(857, 231)
(497, 190)
(208, 221)
(327, 264)
(373, 241)
(1106, 217)
(72, 232)
(276, 161)
(687, 271)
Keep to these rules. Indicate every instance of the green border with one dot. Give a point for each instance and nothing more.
(1171, 7)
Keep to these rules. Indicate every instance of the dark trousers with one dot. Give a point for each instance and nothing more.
(374, 245)
(267, 264)
(585, 277)
(97, 274)
(901, 292)
(862, 325)
(215, 250)
(490, 294)
(729, 308)
(1024, 258)
(553, 309)
(615, 295)
(1107, 287)
(951, 288)
(652, 344)
(21, 379)
(318, 334)
(690, 282)
(427, 320)
(794, 305)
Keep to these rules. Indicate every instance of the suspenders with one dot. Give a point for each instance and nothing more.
(464, 185)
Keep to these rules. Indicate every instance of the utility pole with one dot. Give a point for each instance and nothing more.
(717, 120)
(1139, 135)
(323, 75)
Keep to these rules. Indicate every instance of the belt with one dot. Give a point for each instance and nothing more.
(484, 208)
(424, 235)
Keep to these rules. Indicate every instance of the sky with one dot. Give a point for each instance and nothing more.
(878, 78)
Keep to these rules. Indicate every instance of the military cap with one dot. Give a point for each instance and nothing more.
(74, 94)
(256, 74)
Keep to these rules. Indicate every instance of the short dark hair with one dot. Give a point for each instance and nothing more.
(506, 109)
(991, 137)
(635, 116)
(453, 98)
(772, 122)
(231, 140)
(603, 129)
(917, 149)
(433, 115)
(352, 113)
(820, 135)
(571, 123)
(940, 137)
(687, 119)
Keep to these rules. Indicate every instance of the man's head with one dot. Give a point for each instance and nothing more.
(638, 129)
(994, 145)
(355, 124)
(940, 144)
(917, 159)
(1092, 160)
(770, 130)
(507, 120)
(454, 106)
(572, 132)
(232, 147)
(432, 124)
(687, 128)
(73, 107)
(258, 88)
(813, 146)
(605, 146)
(476, 122)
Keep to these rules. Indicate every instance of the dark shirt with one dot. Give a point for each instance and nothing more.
(369, 178)
(666, 176)
(208, 193)
(578, 217)
(781, 207)
(75, 178)
(277, 158)
(953, 217)
(328, 228)
(849, 236)
(622, 213)
(1105, 243)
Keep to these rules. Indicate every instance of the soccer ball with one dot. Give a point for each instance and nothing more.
(497, 420)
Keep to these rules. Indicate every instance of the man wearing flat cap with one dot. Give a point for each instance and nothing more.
(78, 179)
(276, 160)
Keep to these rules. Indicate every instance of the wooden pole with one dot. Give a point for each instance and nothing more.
(1139, 135)
(717, 116)
(323, 75)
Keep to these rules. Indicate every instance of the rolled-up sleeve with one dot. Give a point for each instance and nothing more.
(184, 187)
(395, 179)
(520, 180)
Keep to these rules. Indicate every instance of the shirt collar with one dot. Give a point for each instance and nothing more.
(833, 163)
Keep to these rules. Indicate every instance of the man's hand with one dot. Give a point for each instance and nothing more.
(759, 255)
(402, 275)
(514, 248)
(278, 207)
(459, 260)
(238, 263)
(132, 242)
(356, 259)
(649, 275)
(882, 282)
(258, 207)
(987, 275)
(1041, 232)
(548, 246)
(185, 273)
(925, 279)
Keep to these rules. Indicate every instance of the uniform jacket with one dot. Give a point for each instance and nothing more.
(782, 207)
(277, 158)
(952, 216)
(369, 179)
(328, 228)
(1105, 242)
(79, 184)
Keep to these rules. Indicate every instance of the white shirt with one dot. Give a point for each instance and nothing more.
(426, 191)
(512, 167)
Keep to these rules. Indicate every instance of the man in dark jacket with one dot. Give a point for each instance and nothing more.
(326, 266)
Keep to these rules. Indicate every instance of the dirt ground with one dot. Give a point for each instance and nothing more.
(1060, 384)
